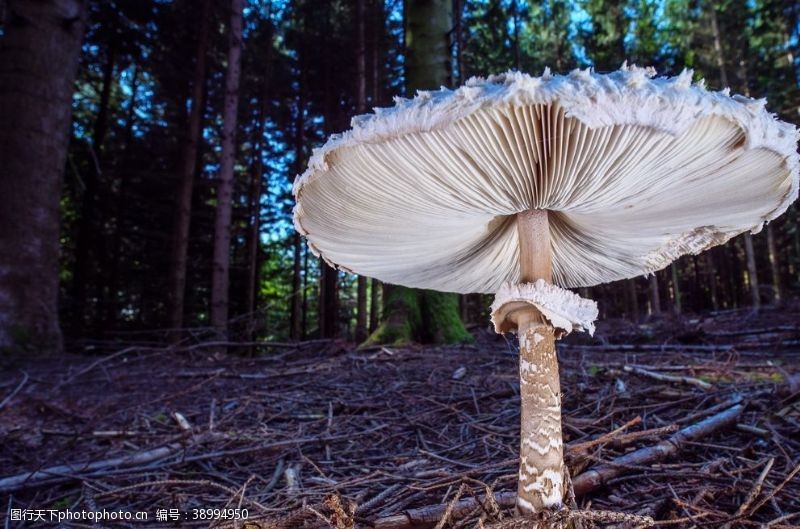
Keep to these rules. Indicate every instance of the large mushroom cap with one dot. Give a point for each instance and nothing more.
(634, 170)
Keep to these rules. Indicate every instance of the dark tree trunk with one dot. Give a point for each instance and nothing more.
(328, 301)
(183, 197)
(458, 40)
(304, 319)
(220, 277)
(375, 285)
(256, 186)
(112, 303)
(296, 325)
(295, 316)
(361, 107)
(774, 263)
(87, 235)
(39, 52)
(328, 277)
(676, 289)
(655, 296)
(711, 278)
(752, 272)
(374, 305)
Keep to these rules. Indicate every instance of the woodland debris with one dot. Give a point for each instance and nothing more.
(59, 473)
(595, 478)
(661, 377)
(376, 417)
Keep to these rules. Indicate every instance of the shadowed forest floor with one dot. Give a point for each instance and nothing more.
(392, 431)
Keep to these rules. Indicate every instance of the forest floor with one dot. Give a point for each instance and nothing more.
(318, 434)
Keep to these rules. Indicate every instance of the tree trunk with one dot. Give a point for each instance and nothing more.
(183, 198)
(375, 285)
(374, 309)
(458, 39)
(711, 277)
(304, 297)
(719, 56)
(676, 289)
(329, 301)
(655, 297)
(295, 317)
(295, 322)
(39, 53)
(361, 107)
(428, 24)
(256, 186)
(112, 306)
(220, 277)
(752, 274)
(328, 287)
(774, 264)
(86, 235)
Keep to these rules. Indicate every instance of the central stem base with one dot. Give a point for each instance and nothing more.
(541, 466)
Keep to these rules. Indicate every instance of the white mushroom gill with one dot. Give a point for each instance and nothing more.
(634, 172)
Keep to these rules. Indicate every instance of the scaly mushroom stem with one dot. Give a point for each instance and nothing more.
(541, 465)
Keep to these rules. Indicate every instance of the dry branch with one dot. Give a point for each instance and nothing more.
(594, 478)
(424, 517)
(69, 471)
(661, 377)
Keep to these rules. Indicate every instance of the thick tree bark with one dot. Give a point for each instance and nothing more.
(222, 225)
(183, 197)
(428, 24)
(39, 53)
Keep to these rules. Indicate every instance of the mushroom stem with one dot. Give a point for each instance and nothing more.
(541, 468)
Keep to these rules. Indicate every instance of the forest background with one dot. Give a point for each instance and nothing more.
(189, 119)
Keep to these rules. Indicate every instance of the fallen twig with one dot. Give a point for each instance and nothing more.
(594, 478)
(754, 492)
(428, 516)
(661, 377)
(69, 471)
(15, 391)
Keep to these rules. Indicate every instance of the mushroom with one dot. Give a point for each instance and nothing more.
(524, 186)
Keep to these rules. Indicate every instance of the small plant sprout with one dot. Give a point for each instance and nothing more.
(524, 186)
